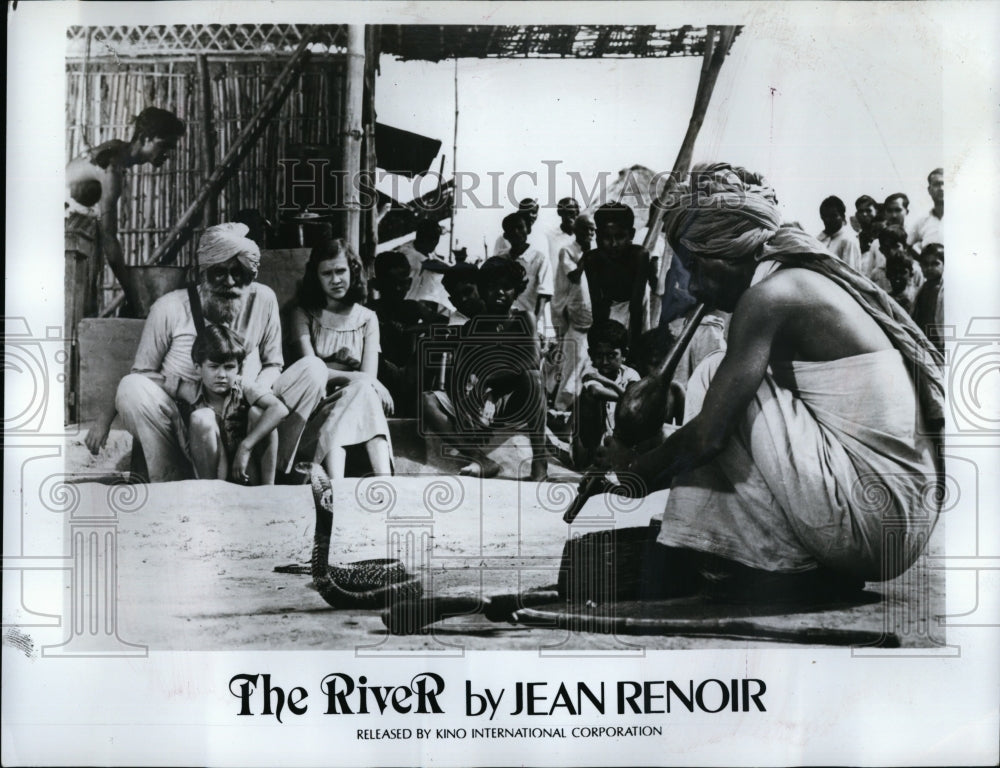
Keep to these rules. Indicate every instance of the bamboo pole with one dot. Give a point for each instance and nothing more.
(170, 246)
(208, 134)
(715, 56)
(350, 133)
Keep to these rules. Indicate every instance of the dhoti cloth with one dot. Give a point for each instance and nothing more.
(829, 466)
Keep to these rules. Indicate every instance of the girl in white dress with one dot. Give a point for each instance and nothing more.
(330, 321)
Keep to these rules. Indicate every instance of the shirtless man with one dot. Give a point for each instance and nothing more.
(95, 179)
(811, 407)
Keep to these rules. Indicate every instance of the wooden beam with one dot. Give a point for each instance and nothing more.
(351, 134)
(208, 135)
(168, 249)
(717, 43)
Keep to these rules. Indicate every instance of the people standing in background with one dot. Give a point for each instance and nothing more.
(426, 267)
(94, 183)
(864, 221)
(928, 308)
(571, 312)
(929, 228)
(894, 211)
(617, 270)
(899, 277)
(537, 268)
(838, 238)
(528, 209)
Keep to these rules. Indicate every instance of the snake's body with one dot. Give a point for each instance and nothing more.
(365, 584)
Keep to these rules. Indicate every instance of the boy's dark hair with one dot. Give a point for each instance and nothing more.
(218, 344)
(156, 123)
(498, 269)
(387, 261)
(427, 229)
(935, 250)
(566, 205)
(835, 203)
(935, 172)
(310, 294)
(608, 332)
(892, 235)
(528, 205)
(898, 196)
(864, 201)
(510, 220)
(653, 345)
(614, 213)
(462, 272)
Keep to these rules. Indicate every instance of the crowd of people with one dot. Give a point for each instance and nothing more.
(764, 437)
(541, 339)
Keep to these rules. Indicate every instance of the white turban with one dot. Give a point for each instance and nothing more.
(724, 212)
(224, 241)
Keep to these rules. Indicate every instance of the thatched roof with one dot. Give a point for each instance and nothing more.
(190, 39)
(432, 42)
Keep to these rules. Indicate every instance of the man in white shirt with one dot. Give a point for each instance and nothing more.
(839, 238)
(536, 267)
(930, 228)
(563, 236)
(571, 313)
(528, 209)
(894, 211)
(426, 268)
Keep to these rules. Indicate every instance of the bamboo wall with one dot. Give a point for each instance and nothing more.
(154, 198)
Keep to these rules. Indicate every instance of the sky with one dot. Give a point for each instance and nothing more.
(848, 107)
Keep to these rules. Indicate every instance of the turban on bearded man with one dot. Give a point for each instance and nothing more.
(722, 212)
(223, 242)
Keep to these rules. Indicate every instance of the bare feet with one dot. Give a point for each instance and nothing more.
(483, 468)
(539, 471)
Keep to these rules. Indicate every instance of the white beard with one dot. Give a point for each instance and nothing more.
(219, 310)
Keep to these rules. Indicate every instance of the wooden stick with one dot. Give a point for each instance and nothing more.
(350, 133)
(181, 231)
(715, 56)
(208, 134)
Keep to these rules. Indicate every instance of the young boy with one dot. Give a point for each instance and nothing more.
(899, 277)
(617, 270)
(401, 323)
(603, 384)
(538, 289)
(221, 440)
(571, 313)
(928, 308)
(496, 382)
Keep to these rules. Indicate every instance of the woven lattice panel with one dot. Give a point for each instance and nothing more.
(199, 38)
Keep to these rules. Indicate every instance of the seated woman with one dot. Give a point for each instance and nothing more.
(330, 322)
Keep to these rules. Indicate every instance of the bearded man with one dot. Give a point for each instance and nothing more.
(808, 446)
(164, 374)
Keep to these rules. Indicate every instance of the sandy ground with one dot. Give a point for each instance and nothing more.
(196, 566)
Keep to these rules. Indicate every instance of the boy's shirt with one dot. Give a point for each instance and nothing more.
(625, 377)
(844, 245)
(232, 419)
(536, 266)
(928, 311)
(613, 281)
(571, 301)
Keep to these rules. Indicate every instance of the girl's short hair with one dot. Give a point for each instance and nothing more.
(310, 294)
(218, 344)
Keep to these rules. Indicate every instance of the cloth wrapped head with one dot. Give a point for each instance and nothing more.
(721, 212)
(222, 242)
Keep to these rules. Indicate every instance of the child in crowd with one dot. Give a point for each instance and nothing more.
(604, 382)
(617, 270)
(571, 313)
(461, 281)
(899, 277)
(928, 308)
(220, 436)
(401, 323)
(495, 386)
(538, 289)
